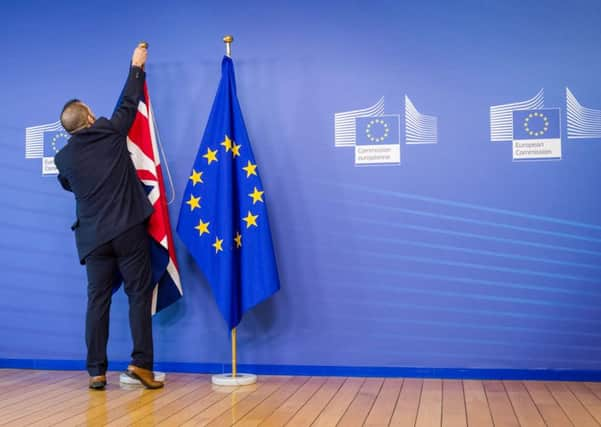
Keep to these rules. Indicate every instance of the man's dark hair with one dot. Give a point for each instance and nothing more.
(74, 116)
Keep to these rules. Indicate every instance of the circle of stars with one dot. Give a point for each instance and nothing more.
(533, 116)
(250, 169)
(380, 124)
(57, 137)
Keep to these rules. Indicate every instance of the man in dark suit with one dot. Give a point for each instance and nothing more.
(110, 230)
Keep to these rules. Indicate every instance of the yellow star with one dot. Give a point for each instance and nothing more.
(194, 202)
(250, 169)
(238, 239)
(257, 196)
(202, 227)
(217, 244)
(227, 143)
(196, 177)
(250, 219)
(236, 150)
(211, 156)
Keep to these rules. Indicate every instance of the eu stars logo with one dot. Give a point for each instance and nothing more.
(536, 123)
(378, 140)
(57, 141)
(377, 130)
(220, 157)
(43, 142)
(53, 142)
(536, 134)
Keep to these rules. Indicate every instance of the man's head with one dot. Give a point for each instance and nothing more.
(76, 116)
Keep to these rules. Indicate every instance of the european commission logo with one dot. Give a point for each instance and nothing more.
(376, 136)
(536, 134)
(377, 140)
(534, 131)
(43, 142)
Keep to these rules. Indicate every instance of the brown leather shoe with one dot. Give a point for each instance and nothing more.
(98, 382)
(145, 376)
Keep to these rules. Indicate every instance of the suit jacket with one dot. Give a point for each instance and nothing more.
(95, 165)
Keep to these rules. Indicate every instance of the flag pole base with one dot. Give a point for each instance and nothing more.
(230, 380)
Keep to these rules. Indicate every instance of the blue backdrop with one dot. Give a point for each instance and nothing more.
(458, 257)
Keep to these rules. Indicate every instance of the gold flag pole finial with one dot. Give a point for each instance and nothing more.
(228, 44)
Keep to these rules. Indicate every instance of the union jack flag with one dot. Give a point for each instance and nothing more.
(143, 147)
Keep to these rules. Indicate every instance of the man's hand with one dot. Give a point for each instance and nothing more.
(138, 59)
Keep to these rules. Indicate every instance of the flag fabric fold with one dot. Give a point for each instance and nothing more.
(223, 216)
(143, 147)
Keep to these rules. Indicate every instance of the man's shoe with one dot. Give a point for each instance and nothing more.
(145, 376)
(98, 382)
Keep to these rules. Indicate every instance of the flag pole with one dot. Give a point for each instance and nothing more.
(234, 378)
(228, 52)
(234, 367)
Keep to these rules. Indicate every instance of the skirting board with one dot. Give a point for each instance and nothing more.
(315, 370)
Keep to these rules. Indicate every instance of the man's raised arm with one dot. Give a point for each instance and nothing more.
(124, 115)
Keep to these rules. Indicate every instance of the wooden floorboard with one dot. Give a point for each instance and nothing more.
(525, 410)
(383, 408)
(430, 404)
(453, 404)
(476, 404)
(587, 398)
(362, 404)
(283, 413)
(336, 408)
(405, 412)
(46, 398)
(257, 416)
(552, 413)
(311, 410)
(235, 413)
(501, 409)
(575, 410)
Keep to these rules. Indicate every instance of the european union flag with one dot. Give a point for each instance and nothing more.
(536, 124)
(54, 141)
(377, 130)
(223, 218)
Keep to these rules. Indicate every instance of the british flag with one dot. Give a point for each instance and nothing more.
(143, 147)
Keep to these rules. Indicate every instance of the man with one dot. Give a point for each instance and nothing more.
(110, 231)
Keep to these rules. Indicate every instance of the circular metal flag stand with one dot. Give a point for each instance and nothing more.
(234, 378)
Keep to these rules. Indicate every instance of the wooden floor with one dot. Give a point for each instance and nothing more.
(44, 398)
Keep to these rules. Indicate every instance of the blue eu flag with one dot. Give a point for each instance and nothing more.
(54, 141)
(536, 124)
(223, 217)
(377, 130)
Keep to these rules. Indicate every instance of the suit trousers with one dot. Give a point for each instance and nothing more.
(129, 255)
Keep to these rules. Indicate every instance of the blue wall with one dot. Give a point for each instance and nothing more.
(457, 258)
